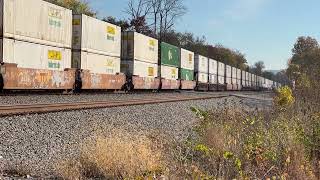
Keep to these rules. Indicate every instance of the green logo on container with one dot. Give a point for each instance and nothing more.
(170, 55)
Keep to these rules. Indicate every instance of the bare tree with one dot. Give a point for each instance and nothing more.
(162, 14)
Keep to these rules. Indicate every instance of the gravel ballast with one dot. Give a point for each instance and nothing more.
(34, 143)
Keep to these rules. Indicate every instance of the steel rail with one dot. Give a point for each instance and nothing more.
(25, 109)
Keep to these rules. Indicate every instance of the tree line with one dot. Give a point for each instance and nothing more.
(156, 18)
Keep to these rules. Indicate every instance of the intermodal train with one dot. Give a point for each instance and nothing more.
(46, 47)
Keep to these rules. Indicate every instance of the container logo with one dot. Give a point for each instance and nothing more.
(190, 59)
(173, 73)
(55, 17)
(152, 45)
(111, 32)
(150, 71)
(54, 55)
(170, 55)
(110, 66)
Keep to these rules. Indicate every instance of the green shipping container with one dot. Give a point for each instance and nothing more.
(170, 55)
(186, 74)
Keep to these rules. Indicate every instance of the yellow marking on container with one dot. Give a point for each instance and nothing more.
(56, 13)
(150, 71)
(152, 42)
(173, 72)
(54, 55)
(109, 63)
(76, 22)
(190, 58)
(111, 30)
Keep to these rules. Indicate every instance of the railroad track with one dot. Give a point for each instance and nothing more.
(24, 109)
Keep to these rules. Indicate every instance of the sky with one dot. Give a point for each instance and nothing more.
(264, 30)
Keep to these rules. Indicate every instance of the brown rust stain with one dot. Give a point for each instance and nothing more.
(145, 83)
(188, 84)
(170, 84)
(102, 81)
(27, 78)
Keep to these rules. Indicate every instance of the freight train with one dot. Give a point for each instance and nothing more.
(47, 47)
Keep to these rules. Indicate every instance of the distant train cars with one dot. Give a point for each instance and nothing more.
(47, 47)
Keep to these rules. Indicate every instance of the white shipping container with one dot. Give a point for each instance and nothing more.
(139, 68)
(213, 78)
(228, 71)
(136, 46)
(234, 80)
(96, 36)
(243, 75)
(202, 77)
(187, 59)
(35, 56)
(248, 76)
(221, 69)
(238, 73)
(221, 80)
(96, 63)
(228, 80)
(238, 82)
(213, 66)
(168, 72)
(234, 73)
(201, 64)
(36, 21)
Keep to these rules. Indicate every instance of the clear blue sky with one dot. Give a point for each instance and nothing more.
(262, 29)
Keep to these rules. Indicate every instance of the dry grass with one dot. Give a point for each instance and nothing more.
(117, 156)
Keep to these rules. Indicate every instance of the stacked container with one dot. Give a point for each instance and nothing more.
(253, 81)
(201, 71)
(243, 79)
(96, 49)
(221, 76)
(228, 77)
(239, 79)
(213, 74)
(170, 62)
(96, 45)
(234, 78)
(139, 59)
(186, 73)
(35, 35)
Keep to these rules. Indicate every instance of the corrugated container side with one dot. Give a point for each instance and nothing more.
(213, 66)
(234, 81)
(228, 71)
(228, 80)
(202, 77)
(145, 48)
(139, 68)
(187, 59)
(35, 56)
(238, 73)
(201, 64)
(186, 74)
(234, 73)
(37, 21)
(169, 72)
(213, 78)
(170, 55)
(243, 76)
(221, 69)
(221, 80)
(97, 36)
(96, 63)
